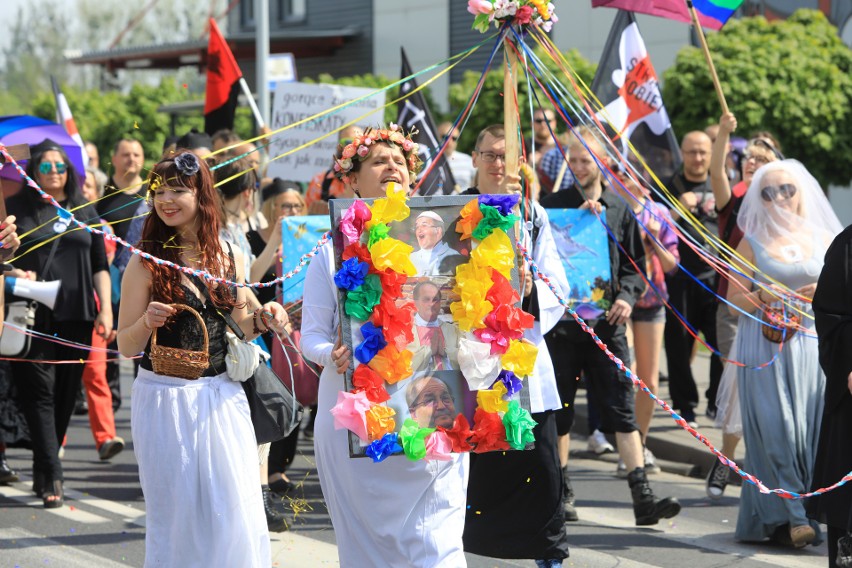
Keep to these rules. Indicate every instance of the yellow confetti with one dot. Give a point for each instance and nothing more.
(135, 125)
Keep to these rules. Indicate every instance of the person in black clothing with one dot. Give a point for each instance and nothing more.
(691, 293)
(47, 392)
(575, 352)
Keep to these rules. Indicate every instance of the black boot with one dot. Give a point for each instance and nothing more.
(646, 508)
(568, 497)
(275, 521)
(7, 474)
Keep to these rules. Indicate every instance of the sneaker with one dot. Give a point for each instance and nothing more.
(689, 416)
(599, 444)
(650, 463)
(621, 470)
(111, 448)
(711, 413)
(717, 480)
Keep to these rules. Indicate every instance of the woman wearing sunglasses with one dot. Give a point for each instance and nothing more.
(55, 249)
(787, 225)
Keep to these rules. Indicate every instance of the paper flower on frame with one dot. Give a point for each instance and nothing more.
(367, 380)
(470, 309)
(495, 251)
(353, 221)
(512, 383)
(504, 204)
(413, 439)
(439, 447)
(397, 321)
(479, 367)
(359, 251)
(469, 218)
(392, 282)
(519, 426)
(391, 364)
(491, 400)
(351, 274)
(350, 413)
(393, 254)
(390, 208)
(492, 220)
(459, 434)
(380, 421)
(489, 434)
(361, 301)
(520, 358)
(374, 341)
(377, 233)
(383, 448)
(501, 292)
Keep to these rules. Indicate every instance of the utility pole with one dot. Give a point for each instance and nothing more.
(261, 22)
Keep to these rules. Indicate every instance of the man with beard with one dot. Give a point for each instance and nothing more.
(573, 350)
(435, 257)
(430, 402)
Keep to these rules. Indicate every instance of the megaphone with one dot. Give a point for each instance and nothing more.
(44, 292)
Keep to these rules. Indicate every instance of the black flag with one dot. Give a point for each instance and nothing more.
(414, 115)
(627, 85)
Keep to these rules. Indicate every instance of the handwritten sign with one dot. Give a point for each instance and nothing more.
(297, 101)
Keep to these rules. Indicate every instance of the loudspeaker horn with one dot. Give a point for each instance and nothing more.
(44, 292)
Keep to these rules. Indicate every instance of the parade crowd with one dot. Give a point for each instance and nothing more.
(783, 391)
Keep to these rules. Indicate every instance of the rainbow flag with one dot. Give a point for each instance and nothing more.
(711, 13)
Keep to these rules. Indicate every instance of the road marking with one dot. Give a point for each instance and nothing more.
(130, 514)
(69, 511)
(31, 549)
(296, 551)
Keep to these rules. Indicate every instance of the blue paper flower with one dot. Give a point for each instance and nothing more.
(512, 383)
(386, 446)
(503, 203)
(374, 341)
(351, 274)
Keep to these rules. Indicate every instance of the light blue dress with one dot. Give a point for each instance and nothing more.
(781, 407)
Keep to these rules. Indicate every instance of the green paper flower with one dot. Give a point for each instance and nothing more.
(377, 233)
(361, 301)
(519, 426)
(413, 439)
(492, 219)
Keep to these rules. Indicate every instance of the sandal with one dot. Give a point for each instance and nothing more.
(54, 496)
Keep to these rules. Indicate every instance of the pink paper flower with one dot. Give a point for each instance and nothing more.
(353, 220)
(524, 14)
(438, 446)
(350, 412)
(477, 7)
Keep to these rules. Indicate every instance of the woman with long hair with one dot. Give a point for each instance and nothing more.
(54, 249)
(193, 439)
(787, 225)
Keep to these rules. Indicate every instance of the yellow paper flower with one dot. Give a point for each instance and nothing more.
(390, 208)
(393, 254)
(470, 311)
(391, 364)
(495, 251)
(470, 216)
(520, 357)
(380, 421)
(491, 400)
(472, 272)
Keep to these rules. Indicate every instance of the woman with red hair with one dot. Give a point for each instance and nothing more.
(193, 439)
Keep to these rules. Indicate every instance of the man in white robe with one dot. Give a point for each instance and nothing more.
(429, 230)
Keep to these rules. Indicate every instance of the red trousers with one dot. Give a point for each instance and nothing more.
(101, 416)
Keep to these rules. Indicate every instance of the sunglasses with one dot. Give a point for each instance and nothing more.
(46, 167)
(771, 192)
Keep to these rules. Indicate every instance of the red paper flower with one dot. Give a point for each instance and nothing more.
(396, 321)
(501, 292)
(489, 434)
(359, 251)
(367, 380)
(459, 434)
(392, 282)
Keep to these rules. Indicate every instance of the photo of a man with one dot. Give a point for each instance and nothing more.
(430, 402)
(436, 341)
(435, 257)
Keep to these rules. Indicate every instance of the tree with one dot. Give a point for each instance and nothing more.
(489, 106)
(792, 78)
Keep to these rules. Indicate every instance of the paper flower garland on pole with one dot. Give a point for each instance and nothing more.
(493, 356)
(520, 12)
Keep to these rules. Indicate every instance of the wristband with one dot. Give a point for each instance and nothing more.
(255, 329)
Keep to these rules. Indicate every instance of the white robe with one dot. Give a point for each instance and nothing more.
(428, 261)
(394, 513)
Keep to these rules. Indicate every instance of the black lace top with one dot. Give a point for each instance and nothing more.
(184, 331)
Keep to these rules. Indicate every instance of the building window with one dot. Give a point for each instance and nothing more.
(292, 11)
(247, 14)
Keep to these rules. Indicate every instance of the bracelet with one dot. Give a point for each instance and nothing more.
(255, 329)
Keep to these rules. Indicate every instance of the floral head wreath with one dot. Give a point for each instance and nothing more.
(361, 146)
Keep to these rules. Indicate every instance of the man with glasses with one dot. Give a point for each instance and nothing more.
(430, 402)
(435, 257)
(461, 164)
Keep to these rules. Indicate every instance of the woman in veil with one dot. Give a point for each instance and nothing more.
(788, 225)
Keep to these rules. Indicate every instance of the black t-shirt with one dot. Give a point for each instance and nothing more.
(705, 213)
(79, 254)
(257, 244)
(117, 207)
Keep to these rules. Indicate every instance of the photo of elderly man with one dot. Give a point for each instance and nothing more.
(430, 402)
(435, 257)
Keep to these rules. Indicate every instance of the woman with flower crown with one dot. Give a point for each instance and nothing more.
(193, 439)
(401, 512)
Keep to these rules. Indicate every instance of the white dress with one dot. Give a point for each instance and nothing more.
(397, 513)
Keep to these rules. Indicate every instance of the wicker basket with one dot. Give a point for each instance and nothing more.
(176, 362)
(777, 325)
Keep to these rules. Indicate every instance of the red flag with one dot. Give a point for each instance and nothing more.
(223, 83)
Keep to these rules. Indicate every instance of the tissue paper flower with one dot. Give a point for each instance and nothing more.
(459, 434)
(392, 282)
(359, 251)
(413, 439)
(512, 383)
(381, 449)
(349, 413)
(494, 251)
(508, 319)
(469, 218)
(367, 380)
(394, 255)
(376, 234)
(472, 272)
(353, 220)
(390, 208)
(374, 341)
(361, 301)
(491, 220)
(489, 434)
(391, 364)
(503, 203)
(397, 321)
(438, 447)
(519, 426)
(501, 292)
(520, 358)
(351, 274)
(491, 400)
(478, 366)
(380, 421)
(470, 311)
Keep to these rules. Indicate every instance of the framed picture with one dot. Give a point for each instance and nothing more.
(435, 389)
(583, 246)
